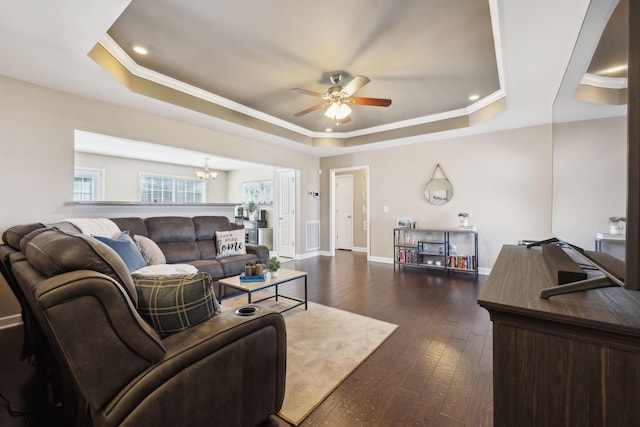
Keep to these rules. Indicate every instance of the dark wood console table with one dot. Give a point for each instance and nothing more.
(571, 360)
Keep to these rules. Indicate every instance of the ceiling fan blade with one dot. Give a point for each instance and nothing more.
(355, 84)
(376, 102)
(310, 109)
(307, 92)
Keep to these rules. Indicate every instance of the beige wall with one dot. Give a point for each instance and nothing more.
(502, 179)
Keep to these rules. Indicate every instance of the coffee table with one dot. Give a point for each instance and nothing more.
(284, 276)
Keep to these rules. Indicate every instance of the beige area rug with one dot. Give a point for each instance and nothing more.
(324, 346)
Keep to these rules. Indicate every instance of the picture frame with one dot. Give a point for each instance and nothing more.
(404, 223)
(258, 192)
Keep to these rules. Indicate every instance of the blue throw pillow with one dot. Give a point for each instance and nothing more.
(127, 249)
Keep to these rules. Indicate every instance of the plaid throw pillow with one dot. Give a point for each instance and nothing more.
(173, 303)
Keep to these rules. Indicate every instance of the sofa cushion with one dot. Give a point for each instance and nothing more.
(206, 226)
(124, 246)
(176, 237)
(173, 303)
(135, 225)
(150, 250)
(52, 251)
(171, 229)
(12, 236)
(229, 243)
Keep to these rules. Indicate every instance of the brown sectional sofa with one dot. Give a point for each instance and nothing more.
(108, 367)
(190, 241)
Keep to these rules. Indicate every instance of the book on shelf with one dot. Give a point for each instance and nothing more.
(463, 262)
(408, 255)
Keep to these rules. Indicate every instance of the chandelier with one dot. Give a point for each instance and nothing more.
(206, 173)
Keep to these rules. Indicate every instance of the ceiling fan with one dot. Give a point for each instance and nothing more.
(338, 98)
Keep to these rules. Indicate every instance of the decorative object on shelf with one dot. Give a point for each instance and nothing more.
(404, 223)
(616, 224)
(273, 265)
(438, 190)
(258, 192)
(464, 219)
(251, 208)
(206, 173)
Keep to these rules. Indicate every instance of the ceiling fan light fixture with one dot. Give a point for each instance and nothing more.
(338, 111)
(206, 173)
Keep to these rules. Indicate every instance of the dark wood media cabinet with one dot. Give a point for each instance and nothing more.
(570, 360)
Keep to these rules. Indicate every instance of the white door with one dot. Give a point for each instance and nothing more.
(344, 212)
(286, 213)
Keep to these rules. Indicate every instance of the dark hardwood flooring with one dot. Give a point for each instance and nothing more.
(434, 370)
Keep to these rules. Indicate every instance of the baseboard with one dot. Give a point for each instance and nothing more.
(358, 249)
(381, 259)
(9, 321)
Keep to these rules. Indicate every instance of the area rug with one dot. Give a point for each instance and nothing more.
(324, 346)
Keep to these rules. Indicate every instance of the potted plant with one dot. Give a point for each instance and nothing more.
(273, 265)
(464, 219)
(616, 224)
(251, 208)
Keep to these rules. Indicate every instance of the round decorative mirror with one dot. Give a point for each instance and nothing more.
(438, 190)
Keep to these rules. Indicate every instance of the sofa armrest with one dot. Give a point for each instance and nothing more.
(104, 341)
(260, 250)
(229, 368)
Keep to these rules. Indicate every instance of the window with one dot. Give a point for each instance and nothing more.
(87, 185)
(83, 189)
(163, 189)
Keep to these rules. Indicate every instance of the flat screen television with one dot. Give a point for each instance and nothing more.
(595, 144)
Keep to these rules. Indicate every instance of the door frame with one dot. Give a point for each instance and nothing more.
(332, 206)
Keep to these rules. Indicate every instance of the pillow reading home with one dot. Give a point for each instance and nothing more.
(230, 243)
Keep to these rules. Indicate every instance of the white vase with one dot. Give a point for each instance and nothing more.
(464, 222)
(274, 273)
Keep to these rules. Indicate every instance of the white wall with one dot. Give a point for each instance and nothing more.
(502, 179)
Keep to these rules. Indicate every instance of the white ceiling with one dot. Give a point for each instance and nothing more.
(46, 43)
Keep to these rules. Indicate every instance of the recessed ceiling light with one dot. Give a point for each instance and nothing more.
(140, 50)
(328, 130)
(474, 97)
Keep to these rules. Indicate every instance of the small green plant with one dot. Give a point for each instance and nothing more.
(617, 219)
(463, 215)
(251, 207)
(273, 264)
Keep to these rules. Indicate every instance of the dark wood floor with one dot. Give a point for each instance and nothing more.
(434, 370)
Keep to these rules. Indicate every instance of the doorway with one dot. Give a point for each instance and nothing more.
(350, 186)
